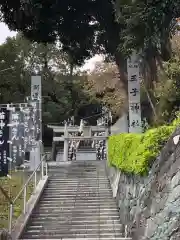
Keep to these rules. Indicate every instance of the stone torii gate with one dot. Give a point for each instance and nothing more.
(65, 134)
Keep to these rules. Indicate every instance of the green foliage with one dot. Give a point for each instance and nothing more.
(134, 153)
(167, 90)
(63, 95)
(70, 22)
(147, 24)
(82, 28)
(87, 27)
(176, 121)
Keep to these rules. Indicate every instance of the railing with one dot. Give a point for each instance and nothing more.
(23, 192)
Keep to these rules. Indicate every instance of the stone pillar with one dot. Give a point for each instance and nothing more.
(107, 135)
(54, 152)
(35, 157)
(65, 143)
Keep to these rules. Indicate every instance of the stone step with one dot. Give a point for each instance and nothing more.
(76, 197)
(69, 203)
(78, 188)
(73, 181)
(94, 183)
(78, 193)
(94, 238)
(50, 207)
(72, 200)
(94, 212)
(112, 237)
(49, 217)
(78, 233)
(58, 235)
(70, 188)
(74, 190)
(76, 210)
(79, 181)
(89, 184)
(79, 205)
(77, 228)
(88, 173)
(41, 222)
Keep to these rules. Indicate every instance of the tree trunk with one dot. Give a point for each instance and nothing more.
(70, 86)
(166, 48)
(150, 76)
(150, 101)
(122, 67)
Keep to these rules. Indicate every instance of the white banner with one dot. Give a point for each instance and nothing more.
(135, 125)
(36, 87)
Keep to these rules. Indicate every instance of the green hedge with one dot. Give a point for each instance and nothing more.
(133, 153)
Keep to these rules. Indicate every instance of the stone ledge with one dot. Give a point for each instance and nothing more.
(23, 219)
(112, 238)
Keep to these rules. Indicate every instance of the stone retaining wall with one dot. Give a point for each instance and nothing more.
(150, 206)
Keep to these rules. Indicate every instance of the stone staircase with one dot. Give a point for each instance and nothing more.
(76, 204)
(81, 152)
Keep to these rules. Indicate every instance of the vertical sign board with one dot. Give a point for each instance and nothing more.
(36, 87)
(4, 138)
(17, 137)
(28, 128)
(21, 134)
(36, 93)
(135, 125)
(36, 119)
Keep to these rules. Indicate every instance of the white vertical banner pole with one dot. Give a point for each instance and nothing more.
(135, 125)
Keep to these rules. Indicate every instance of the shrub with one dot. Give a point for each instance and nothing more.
(133, 153)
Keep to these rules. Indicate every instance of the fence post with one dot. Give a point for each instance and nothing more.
(42, 169)
(46, 168)
(24, 205)
(10, 217)
(35, 180)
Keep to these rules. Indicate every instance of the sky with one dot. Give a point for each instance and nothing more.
(5, 32)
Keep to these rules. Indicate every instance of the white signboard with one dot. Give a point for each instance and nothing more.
(135, 125)
(36, 87)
